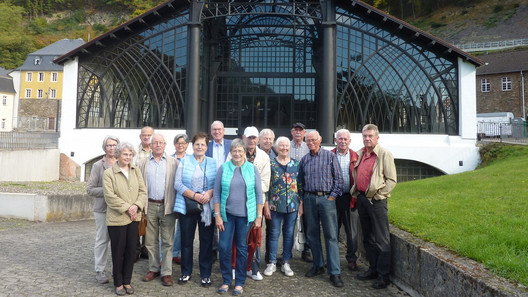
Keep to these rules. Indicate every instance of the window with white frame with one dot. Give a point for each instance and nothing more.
(3, 123)
(40, 93)
(485, 85)
(4, 100)
(41, 76)
(54, 76)
(28, 93)
(506, 84)
(53, 93)
(29, 76)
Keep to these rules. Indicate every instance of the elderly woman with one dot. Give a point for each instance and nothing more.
(125, 195)
(181, 142)
(283, 203)
(94, 188)
(194, 183)
(238, 203)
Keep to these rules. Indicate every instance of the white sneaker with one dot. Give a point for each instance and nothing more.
(286, 269)
(270, 269)
(256, 277)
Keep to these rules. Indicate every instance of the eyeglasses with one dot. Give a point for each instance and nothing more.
(111, 145)
(181, 143)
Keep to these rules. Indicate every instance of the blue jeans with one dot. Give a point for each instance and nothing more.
(287, 234)
(236, 227)
(320, 209)
(176, 249)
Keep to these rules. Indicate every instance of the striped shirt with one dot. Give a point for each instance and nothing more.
(321, 172)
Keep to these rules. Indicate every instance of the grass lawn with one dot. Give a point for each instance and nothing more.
(482, 214)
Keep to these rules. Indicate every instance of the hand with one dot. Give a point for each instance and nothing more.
(301, 209)
(132, 212)
(331, 198)
(258, 222)
(267, 212)
(206, 197)
(219, 223)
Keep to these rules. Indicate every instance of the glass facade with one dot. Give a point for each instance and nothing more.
(261, 65)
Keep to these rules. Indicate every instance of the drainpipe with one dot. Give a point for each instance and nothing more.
(522, 92)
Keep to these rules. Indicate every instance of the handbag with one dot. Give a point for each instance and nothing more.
(142, 226)
(192, 206)
(300, 237)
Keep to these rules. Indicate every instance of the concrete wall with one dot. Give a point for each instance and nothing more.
(423, 269)
(44, 208)
(30, 165)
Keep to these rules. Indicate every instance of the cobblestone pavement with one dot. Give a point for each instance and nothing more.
(56, 259)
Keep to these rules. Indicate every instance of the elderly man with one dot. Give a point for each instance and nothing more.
(375, 178)
(321, 176)
(144, 149)
(346, 206)
(266, 139)
(218, 148)
(159, 172)
(299, 149)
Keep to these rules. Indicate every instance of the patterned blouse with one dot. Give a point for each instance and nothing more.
(283, 195)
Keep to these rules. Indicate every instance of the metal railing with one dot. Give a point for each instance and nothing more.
(478, 46)
(29, 140)
(514, 132)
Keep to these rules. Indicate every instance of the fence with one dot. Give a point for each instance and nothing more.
(29, 140)
(508, 132)
(478, 46)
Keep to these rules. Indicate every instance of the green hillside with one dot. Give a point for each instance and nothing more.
(480, 214)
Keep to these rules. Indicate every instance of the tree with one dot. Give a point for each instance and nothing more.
(14, 43)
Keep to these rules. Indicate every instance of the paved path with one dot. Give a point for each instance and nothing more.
(56, 259)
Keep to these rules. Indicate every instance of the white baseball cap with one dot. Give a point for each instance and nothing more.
(251, 131)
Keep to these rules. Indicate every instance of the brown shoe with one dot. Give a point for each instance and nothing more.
(150, 276)
(352, 265)
(166, 280)
(176, 260)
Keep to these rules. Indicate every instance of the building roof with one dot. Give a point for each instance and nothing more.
(46, 55)
(4, 72)
(379, 18)
(6, 84)
(505, 62)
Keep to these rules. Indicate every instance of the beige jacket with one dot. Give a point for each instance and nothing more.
(170, 175)
(383, 178)
(120, 193)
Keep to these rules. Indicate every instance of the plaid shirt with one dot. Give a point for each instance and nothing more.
(321, 172)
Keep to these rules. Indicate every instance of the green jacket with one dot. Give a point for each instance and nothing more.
(120, 193)
(383, 178)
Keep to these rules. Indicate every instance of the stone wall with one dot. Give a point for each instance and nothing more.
(35, 114)
(497, 100)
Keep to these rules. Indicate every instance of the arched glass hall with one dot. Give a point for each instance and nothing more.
(328, 64)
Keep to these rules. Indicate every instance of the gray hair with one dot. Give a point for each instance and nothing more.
(237, 142)
(342, 131)
(267, 131)
(124, 146)
(111, 137)
(371, 127)
(217, 122)
(184, 136)
(279, 140)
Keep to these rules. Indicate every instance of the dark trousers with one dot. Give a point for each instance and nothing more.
(349, 222)
(268, 237)
(123, 240)
(205, 257)
(374, 220)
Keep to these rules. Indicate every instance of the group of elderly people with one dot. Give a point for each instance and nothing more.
(224, 189)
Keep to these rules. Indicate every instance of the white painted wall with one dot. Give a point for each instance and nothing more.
(16, 84)
(30, 207)
(30, 165)
(6, 111)
(468, 99)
